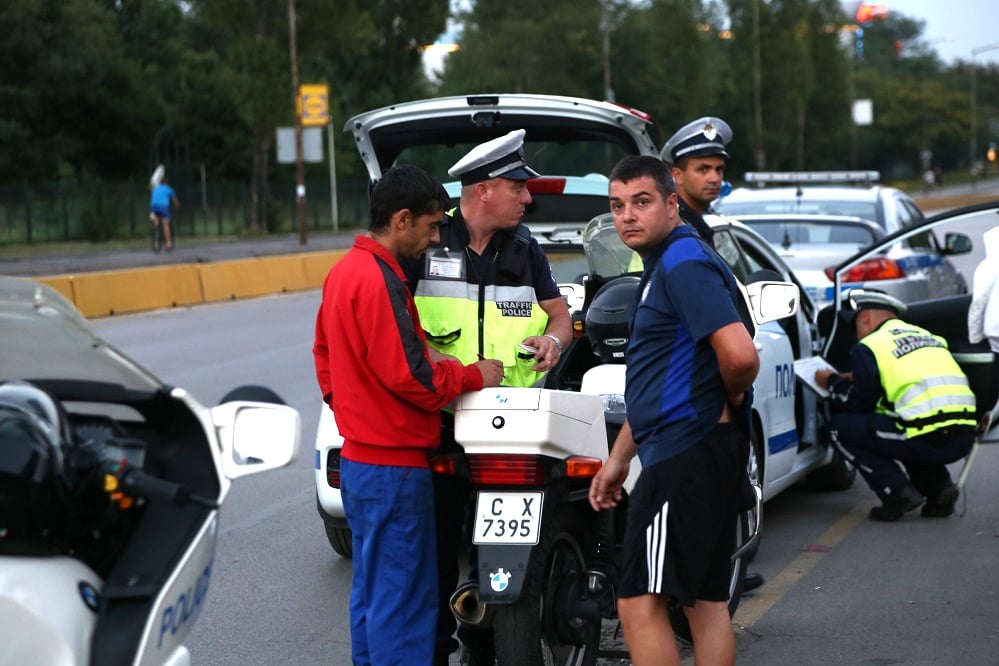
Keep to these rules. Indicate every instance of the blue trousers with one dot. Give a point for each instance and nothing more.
(873, 443)
(393, 598)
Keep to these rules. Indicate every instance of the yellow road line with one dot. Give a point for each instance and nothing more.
(752, 609)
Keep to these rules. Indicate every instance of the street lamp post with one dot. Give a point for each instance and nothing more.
(973, 146)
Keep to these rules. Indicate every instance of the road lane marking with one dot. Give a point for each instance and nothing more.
(752, 609)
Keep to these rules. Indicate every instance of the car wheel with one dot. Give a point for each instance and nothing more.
(340, 539)
(835, 476)
(253, 393)
(339, 536)
(754, 469)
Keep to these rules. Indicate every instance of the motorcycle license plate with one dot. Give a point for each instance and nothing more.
(508, 518)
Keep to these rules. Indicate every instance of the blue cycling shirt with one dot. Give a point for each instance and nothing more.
(160, 200)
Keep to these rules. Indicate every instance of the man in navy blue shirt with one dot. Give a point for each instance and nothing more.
(691, 365)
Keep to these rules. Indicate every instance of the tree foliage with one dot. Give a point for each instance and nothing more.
(107, 88)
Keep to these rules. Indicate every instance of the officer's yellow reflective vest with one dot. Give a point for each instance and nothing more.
(488, 314)
(924, 387)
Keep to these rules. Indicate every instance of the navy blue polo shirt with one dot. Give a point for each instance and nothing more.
(674, 392)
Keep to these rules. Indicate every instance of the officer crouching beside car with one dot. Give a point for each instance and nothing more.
(905, 400)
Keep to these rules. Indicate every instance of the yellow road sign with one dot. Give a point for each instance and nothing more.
(314, 104)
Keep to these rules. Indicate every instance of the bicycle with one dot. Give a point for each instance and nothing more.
(157, 233)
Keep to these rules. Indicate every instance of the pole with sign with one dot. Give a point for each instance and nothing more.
(314, 103)
(300, 170)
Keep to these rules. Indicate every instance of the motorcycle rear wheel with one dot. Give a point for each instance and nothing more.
(737, 579)
(535, 631)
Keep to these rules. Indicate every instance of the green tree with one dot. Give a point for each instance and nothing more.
(71, 99)
(669, 61)
(511, 46)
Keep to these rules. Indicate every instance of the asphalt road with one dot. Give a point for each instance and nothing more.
(840, 589)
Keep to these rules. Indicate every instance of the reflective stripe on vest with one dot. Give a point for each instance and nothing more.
(924, 386)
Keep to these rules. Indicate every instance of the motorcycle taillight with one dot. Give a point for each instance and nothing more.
(505, 469)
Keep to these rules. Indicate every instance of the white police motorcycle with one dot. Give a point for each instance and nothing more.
(110, 485)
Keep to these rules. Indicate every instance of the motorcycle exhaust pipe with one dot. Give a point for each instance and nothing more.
(467, 608)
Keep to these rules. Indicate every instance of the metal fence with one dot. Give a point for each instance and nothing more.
(67, 211)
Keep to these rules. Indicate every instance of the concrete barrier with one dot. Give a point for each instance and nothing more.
(134, 290)
(248, 278)
(318, 264)
(181, 285)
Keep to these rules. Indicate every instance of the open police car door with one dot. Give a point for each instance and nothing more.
(961, 231)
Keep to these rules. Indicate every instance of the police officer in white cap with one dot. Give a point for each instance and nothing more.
(905, 399)
(697, 154)
(506, 298)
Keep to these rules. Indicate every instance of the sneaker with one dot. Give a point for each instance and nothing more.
(904, 497)
(943, 504)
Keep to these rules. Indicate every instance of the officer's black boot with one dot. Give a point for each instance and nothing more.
(753, 580)
(941, 503)
(903, 497)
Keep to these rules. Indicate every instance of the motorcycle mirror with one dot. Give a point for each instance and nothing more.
(256, 436)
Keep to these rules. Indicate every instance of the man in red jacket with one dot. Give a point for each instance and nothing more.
(386, 390)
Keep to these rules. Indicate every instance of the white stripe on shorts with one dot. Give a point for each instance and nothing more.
(655, 549)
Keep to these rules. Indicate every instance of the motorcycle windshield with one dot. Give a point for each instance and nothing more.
(606, 254)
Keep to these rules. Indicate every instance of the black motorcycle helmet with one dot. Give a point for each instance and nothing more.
(35, 475)
(609, 317)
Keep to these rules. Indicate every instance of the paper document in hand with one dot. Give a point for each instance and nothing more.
(805, 369)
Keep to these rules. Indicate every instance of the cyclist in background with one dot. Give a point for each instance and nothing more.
(162, 198)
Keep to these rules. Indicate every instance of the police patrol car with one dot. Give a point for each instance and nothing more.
(574, 142)
(816, 217)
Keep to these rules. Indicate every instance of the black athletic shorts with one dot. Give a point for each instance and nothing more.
(682, 521)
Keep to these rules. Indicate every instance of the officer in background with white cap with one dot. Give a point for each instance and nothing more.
(697, 155)
(906, 400)
(485, 291)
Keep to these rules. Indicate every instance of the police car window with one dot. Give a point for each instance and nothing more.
(925, 241)
(862, 209)
(733, 255)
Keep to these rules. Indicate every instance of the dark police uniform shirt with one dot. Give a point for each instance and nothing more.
(864, 391)
(674, 391)
(545, 286)
(696, 220)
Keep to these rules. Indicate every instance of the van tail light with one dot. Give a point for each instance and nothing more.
(333, 468)
(880, 268)
(546, 185)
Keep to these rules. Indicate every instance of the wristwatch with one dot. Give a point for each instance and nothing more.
(555, 339)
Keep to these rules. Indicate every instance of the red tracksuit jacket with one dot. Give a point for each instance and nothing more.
(371, 355)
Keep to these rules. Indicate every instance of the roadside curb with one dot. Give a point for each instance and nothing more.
(108, 293)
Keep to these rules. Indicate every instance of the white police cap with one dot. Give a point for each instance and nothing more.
(502, 157)
(870, 299)
(705, 136)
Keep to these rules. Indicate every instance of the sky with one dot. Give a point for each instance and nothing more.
(955, 27)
